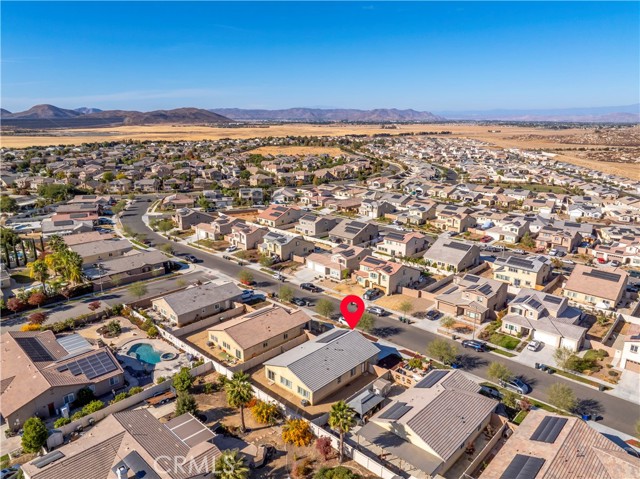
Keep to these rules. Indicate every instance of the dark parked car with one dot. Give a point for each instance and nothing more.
(377, 310)
(310, 287)
(372, 294)
(517, 385)
(473, 344)
(433, 314)
(300, 302)
(191, 259)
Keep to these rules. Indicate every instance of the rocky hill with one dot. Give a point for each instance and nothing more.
(321, 115)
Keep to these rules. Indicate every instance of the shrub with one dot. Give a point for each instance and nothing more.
(77, 415)
(562, 396)
(92, 407)
(265, 412)
(84, 397)
(37, 318)
(153, 332)
(612, 373)
(37, 298)
(160, 380)
(183, 380)
(135, 390)
(63, 421)
(186, 403)
(15, 304)
(208, 388)
(119, 397)
(324, 448)
(301, 468)
(339, 472)
(30, 327)
(297, 432)
(114, 327)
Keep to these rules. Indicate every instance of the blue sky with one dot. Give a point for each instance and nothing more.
(426, 56)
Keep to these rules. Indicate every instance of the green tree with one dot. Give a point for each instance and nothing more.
(442, 351)
(499, 372)
(57, 244)
(367, 323)
(448, 322)
(8, 204)
(563, 357)
(138, 290)
(341, 419)
(231, 465)
(406, 307)
(239, 393)
(325, 307)
(510, 399)
(61, 421)
(92, 407)
(186, 403)
(266, 260)
(165, 225)
(183, 380)
(265, 412)
(166, 248)
(285, 293)
(562, 397)
(108, 176)
(119, 207)
(34, 435)
(203, 203)
(245, 276)
(527, 241)
(114, 327)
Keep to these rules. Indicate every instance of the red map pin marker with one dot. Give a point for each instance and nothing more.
(347, 305)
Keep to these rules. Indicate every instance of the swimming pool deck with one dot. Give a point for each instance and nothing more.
(163, 368)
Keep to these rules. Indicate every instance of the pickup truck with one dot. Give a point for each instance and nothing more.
(161, 398)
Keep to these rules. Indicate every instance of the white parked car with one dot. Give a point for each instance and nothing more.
(534, 345)
(231, 249)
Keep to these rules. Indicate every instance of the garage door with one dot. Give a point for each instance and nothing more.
(546, 338)
(632, 366)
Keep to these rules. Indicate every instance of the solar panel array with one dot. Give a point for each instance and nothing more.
(331, 336)
(396, 411)
(534, 303)
(549, 429)
(472, 278)
(394, 236)
(523, 467)
(32, 348)
(521, 263)
(47, 459)
(92, 366)
(431, 379)
(603, 275)
(485, 289)
(553, 299)
(73, 343)
(458, 246)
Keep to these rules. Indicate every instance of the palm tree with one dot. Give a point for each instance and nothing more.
(57, 244)
(54, 262)
(239, 393)
(39, 271)
(231, 465)
(342, 419)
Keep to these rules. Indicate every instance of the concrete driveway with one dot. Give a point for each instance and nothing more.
(544, 355)
(628, 387)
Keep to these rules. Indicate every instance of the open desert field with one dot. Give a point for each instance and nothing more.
(610, 150)
(298, 150)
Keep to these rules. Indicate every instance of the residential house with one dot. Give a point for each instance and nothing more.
(251, 195)
(127, 269)
(375, 209)
(626, 251)
(403, 244)
(320, 367)
(452, 255)
(41, 373)
(530, 272)
(247, 236)
(475, 298)
(260, 180)
(546, 446)
(196, 302)
(133, 444)
(454, 218)
(560, 239)
(630, 357)
(596, 287)
(277, 216)
(545, 317)
(98, 251)
(147, 185)
(178, 201)
(339, 262)
(63, 227)
(187, 218)
(316, 226)
(258, 332)
(284, 246)
(218, 228)
(283, 195)
(385, 275)
(354, 233)
(428, 427)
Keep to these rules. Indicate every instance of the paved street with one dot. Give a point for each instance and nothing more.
(617, 413)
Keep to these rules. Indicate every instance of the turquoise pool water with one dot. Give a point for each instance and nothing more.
(145, 353)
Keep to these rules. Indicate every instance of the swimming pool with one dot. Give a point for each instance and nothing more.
(144, 352)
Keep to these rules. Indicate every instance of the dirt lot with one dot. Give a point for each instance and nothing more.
(215, 407)
(393, 302)
(298, 150)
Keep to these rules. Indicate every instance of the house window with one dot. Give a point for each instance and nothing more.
(271, 375)
(265, 344)
(69, 398)
(286, 335)
(226, 345)
(113, 381)
(339, 380)
(303, 392)
(634, 348)
(238, 354)
(285, 382)
(353, 372)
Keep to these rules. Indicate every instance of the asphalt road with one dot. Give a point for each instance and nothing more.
(616, 413)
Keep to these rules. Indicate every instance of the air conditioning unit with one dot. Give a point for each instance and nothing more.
(64, 411)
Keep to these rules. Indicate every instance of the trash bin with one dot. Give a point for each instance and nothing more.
(537, 365)
(602, 387)
(586, 417)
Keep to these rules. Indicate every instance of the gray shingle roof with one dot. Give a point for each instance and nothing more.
(198, 297)
(317, 364)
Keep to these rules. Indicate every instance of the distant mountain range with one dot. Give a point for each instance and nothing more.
(50, 116)
(53, 116)
(614, 114)
(317, 114)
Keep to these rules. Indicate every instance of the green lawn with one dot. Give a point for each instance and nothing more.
(4, 461)
(575, 377)
(520, 417)
(505, 341)
(503, 353)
